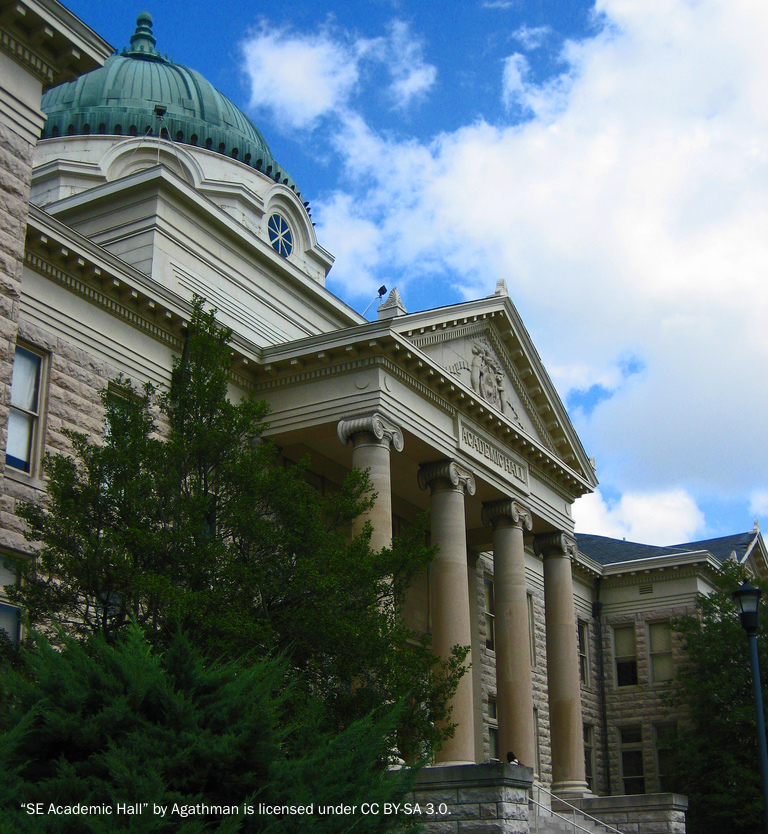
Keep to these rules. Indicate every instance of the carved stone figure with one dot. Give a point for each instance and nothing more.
(487, 378)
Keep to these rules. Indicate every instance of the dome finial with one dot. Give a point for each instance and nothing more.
(142, 40)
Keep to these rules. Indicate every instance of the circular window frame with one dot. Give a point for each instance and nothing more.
(280, 235)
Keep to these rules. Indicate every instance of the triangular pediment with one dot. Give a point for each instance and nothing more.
(485, 346)
(477, 363)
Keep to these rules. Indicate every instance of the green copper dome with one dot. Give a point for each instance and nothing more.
(127, 96)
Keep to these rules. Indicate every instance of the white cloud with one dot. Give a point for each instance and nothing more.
(758, 503)
(412, 77)
(531, 37)
(353, 239)
(299, 77)
(513, 80)
(628, 216)
(662, 518)
(302, 77)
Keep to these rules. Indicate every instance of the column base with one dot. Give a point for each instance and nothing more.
(571, 790)
(452, 763)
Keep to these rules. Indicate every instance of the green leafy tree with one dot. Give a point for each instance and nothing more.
(99, 723)
(203, 529)
(716, 764)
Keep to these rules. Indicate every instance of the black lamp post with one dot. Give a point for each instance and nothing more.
(748, 598)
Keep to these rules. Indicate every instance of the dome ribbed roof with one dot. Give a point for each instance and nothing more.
(126, 95)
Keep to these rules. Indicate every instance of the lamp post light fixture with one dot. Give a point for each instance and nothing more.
(747, 599)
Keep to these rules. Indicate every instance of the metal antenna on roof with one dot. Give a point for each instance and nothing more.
(160, 111)
(382, 290)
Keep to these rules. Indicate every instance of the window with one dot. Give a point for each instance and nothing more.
(280, 236)
(589, 755)
(626, 655)
(583, 652)
(9, 614)
(490, 624)
(24, 415)
(661, 652)
(9, 622)
(632, 772)
(665, 741)
(493, 729)
(531, 631)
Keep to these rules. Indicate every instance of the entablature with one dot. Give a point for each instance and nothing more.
(378, 342)
(49, 40)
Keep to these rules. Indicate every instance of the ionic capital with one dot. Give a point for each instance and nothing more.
(554, 544)
(376, 426)
(495, 511)
(460, 479)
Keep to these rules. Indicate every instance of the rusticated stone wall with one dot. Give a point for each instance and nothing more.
(662, 813)
(15, 178)
(490, 798)
(644, 705)
(70, 397)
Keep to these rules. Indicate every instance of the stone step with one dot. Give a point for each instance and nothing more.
(561, 822)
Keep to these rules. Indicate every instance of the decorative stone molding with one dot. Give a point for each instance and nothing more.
(392, 307)
(446, 470)
(494, 511)
(554, 544)
(117, 308)
(376, 425)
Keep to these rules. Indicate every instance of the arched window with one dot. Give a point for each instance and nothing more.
(280, 236)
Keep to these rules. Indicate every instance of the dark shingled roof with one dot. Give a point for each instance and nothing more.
(722, 548)
(608, 551)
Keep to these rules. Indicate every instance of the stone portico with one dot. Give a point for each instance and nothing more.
(451, 411)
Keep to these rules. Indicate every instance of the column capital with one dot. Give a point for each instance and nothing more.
(554, 544)
(495, 511)
(460, 479)
(381, 430)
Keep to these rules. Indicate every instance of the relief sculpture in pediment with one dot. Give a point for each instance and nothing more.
(487, 378)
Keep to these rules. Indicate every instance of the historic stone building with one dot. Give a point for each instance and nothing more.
(146, 187)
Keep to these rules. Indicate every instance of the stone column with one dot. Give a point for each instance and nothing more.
(371, 436)
(449, 593)
(563, 681)
(514, 684)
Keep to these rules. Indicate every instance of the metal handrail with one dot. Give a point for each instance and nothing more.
(572, 807)
(559, 816)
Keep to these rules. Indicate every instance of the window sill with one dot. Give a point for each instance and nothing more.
(24, 478)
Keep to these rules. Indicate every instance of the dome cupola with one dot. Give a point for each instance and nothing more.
(140, 92)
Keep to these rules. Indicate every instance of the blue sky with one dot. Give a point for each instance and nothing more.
(609, 161)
